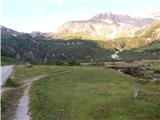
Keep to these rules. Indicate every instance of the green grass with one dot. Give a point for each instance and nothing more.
(86, 93)
(9, 61)
(152, 64)
(153, 45)
(9, 99)
(150, 51)
(92, 93)
(22, 72)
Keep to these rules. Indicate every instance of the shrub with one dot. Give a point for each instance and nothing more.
(73, 62)
(157, 71)
(10, 83)
(59, 62)
(99, 63)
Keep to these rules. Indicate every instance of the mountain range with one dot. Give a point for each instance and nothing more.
(80, 41)
(104, 26)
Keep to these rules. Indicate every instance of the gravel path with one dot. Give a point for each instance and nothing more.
(22, 110)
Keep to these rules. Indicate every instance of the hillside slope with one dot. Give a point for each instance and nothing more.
(144, 36)
(103, 26)
(150, 51)
(39, 50)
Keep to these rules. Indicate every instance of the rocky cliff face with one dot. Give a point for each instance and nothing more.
(125, 19)
(103, 26)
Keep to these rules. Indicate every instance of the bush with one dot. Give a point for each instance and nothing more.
(99, 63)
(10, 83)
(59, 62)
(138, 72)
(157, 71)
(73, 62)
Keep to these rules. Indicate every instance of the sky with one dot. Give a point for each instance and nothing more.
(48, 15)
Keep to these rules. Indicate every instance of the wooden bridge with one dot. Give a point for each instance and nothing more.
(123, 64)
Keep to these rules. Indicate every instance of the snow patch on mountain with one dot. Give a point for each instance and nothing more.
(107, 21)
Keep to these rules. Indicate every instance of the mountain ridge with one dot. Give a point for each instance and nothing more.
(103, 26)
(43, 50)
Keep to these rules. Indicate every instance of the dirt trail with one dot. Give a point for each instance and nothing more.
(22, 110)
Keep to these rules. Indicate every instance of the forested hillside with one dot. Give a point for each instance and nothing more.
(26, 48)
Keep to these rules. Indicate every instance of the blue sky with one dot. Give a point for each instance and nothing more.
(48, 15)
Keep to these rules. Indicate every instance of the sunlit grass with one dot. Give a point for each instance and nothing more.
(93, 94)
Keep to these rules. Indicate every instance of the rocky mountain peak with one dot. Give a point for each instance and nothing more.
(106, 25)
(110, 17)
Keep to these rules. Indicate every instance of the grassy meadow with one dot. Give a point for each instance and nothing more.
(92, 93)
(84, 93)
(9, 98)
(152, 64)
(22, 72)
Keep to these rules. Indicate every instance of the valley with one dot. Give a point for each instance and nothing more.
(77, 92)
(103, 68)
(44, 50)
